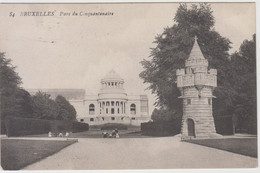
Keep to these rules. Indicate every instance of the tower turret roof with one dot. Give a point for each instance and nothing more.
(196, 51)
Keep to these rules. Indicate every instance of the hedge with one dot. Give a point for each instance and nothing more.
(79, 127)
(224, 125)
(16, 126)
(112, 126)
(2, 127)
(161, 128)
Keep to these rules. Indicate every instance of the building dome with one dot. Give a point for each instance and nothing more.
(112, 85)
(112, 76)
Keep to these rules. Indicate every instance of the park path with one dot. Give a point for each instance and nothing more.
(140, 153)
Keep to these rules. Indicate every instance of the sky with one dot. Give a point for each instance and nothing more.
(78, 51)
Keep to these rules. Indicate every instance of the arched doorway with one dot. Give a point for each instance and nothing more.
(191, 127)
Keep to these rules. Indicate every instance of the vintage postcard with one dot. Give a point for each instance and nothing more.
(119, 86)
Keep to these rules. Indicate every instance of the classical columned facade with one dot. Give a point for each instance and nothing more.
(113, 105)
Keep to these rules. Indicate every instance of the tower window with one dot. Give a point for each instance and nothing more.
(133, 109)
(106, 110)
(209, 101)
(91, 119)
(118, 110)
(188, 101)
(112, 103)
(112, 118)
(133, 118)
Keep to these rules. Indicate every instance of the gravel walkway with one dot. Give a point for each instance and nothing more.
(140, 153)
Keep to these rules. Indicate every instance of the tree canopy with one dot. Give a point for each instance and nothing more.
(44, 107)
(15, 101)
(236, 79)
(9, 78)
(66, 110)
(173, 48)
(244, 85)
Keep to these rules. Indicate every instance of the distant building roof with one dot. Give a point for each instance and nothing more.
(69, 94)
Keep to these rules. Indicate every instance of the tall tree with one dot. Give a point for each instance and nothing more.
(173, 48)
(15, 101)
(44, 107)
(66, 110)
(161, 115)
(9, 78)
(244, 85)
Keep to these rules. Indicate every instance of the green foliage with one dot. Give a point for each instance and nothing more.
(15, 101)
(16, 126)
(44, 107)
(173, 48)
(161, 128)
(9, 79)
(243, 78)
(66, 110)
(162, 115)
(236, 91)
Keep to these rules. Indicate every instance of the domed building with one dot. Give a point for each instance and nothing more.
(112, 104)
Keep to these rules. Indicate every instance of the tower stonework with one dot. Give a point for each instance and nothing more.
(196, 84)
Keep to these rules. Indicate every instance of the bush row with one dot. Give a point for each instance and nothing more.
(2, 127)
(15, 126)
(161, 128)
(112, 126)
(223, 124)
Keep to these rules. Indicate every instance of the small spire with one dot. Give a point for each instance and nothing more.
(196, 38)
(195, 51)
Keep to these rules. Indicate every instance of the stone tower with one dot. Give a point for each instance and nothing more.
(196, 84)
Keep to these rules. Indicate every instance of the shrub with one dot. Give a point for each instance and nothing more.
(161, 128)
(79, 127)
(60, 126)
(224, 125)
(2, 127)
(112, 126)
(27, 126)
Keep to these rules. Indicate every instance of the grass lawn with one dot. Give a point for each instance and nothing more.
(244, 146)
(17, 153)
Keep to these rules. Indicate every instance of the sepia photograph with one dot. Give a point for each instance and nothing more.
(128, 86)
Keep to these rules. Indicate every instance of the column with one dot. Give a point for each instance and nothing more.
(124, 107)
